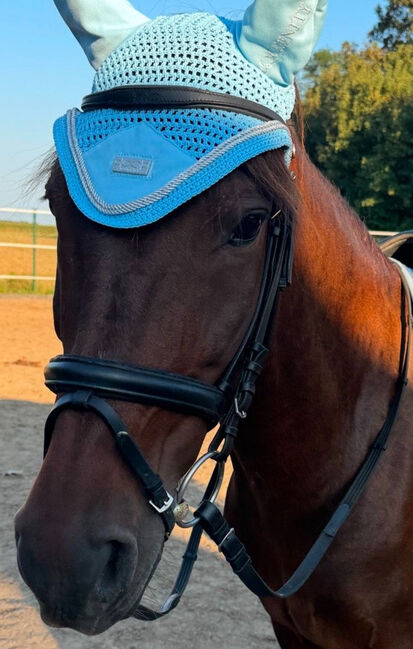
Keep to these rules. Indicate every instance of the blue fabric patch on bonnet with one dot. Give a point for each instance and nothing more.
(126, 200)
(130, 168)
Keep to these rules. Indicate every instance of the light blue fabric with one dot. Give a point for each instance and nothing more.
(139, 142)
(195, 131)
(130, 168)
(197, 50)
(279, 37)
(203, 173)
(99, 25)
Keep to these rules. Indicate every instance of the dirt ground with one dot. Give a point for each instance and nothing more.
(217, 611)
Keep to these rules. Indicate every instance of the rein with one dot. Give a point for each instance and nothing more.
(86, 382)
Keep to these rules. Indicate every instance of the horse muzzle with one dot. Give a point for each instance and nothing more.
(83, 581)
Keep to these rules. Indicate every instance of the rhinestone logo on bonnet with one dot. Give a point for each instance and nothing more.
(135, 166)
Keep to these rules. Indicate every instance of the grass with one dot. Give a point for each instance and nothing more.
(18, 261)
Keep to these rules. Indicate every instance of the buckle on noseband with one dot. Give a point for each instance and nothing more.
(166, 505)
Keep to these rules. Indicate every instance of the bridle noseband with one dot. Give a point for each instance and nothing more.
(85, 384)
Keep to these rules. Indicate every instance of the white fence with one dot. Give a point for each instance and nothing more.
(33, 246)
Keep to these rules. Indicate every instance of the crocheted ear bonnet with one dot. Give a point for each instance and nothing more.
(130, 167)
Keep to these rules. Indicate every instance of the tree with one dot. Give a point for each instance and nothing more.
(319, 61)
(395, 24)
(359, 116)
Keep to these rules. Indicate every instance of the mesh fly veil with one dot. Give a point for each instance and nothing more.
(128, 168)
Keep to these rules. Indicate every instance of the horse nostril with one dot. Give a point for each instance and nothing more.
(121, 559)
(111, 568)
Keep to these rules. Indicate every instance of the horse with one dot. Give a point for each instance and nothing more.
(178, 295)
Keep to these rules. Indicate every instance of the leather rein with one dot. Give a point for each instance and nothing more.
(85, 384)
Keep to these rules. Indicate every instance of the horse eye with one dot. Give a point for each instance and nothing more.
(247, 230)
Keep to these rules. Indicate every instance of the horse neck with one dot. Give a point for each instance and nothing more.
(334, 355)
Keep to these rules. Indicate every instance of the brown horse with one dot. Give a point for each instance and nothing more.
(177, 296)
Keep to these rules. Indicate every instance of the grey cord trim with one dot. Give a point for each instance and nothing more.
(123, 208)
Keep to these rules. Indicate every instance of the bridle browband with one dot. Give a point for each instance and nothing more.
(156, 97)
(85, 383)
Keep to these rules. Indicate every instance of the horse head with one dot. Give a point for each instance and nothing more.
(163, 213)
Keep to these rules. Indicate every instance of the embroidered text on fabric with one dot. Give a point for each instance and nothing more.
(280, 44)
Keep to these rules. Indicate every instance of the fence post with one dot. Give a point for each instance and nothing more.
(34, 259)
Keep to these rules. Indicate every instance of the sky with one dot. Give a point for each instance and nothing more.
(43, 72)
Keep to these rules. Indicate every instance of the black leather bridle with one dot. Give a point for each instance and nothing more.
(155, 97)
(85, 384)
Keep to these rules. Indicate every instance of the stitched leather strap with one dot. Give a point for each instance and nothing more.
(153, 97)
(188, 561)
(112, 380)
(155, 492)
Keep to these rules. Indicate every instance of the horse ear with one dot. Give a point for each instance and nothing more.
(278, 36)
(99, 25)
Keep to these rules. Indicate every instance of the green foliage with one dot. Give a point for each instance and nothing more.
(395, 24)
(359, 117)
(320, 60)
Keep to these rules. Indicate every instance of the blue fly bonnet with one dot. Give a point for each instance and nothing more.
(130, 167)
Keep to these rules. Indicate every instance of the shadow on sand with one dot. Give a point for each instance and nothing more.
(216, 611)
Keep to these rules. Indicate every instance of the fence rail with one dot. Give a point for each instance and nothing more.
(35, 246)
(34, 277)
(28, 277)
(18, 210)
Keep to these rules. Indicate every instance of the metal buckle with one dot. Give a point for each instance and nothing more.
(166, 505)
(227, 535)
(241, 413)
(183, 485)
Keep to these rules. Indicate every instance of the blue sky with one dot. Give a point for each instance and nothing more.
(43, 72)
